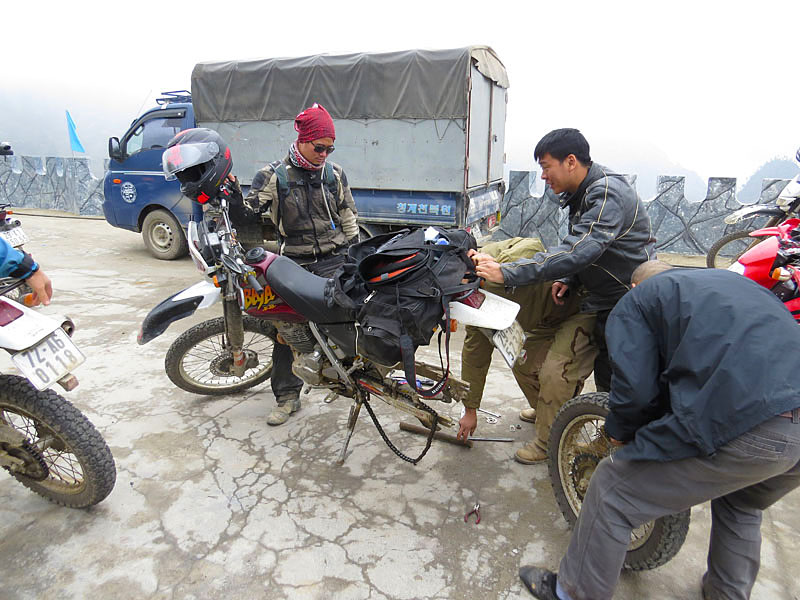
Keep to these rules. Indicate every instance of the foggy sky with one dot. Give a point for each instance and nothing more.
(708, 86)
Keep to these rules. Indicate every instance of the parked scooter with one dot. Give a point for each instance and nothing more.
(46, 443)
(730, 247)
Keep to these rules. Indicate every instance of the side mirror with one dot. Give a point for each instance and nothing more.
(5, 149)
(114, 151)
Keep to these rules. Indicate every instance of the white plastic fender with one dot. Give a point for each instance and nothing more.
(496, 312)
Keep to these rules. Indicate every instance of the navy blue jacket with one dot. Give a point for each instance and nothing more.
(700, 356)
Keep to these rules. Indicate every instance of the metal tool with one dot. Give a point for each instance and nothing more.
(476, 510)
(491, 420)
(491, 414)
(482, 439)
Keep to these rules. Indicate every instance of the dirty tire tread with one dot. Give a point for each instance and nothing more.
(194, 335)
(669, 532)
(711, 257)
(75, 430)
(180, 245)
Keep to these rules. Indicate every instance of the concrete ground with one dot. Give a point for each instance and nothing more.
(210, 502)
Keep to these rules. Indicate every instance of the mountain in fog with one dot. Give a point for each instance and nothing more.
(777, 168)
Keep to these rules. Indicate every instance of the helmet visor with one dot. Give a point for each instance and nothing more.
(184, 156)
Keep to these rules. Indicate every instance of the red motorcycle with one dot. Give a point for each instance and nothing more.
(775, 263)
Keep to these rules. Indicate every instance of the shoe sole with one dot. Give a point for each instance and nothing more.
(521, 418)
(525, 461)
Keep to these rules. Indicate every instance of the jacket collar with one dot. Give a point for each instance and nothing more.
(572, 200)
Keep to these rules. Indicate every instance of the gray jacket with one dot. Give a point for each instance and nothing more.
(609, 236)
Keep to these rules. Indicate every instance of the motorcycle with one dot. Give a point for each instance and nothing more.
(775, 263)
(267, 299)
(730, 247)
(577, 444)
(46, 443)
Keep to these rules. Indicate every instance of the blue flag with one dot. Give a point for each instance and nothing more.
(74, 142)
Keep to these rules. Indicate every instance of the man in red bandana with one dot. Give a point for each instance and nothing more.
(307, 199)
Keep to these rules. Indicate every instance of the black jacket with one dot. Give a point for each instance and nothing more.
(700, 356)
(609, 236)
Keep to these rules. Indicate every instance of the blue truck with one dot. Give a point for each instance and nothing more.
(420, 134)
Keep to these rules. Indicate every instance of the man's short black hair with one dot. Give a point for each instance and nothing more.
(560, 143)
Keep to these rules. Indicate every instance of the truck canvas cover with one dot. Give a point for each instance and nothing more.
(411, 84)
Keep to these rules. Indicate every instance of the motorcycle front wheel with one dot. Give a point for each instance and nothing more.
(577, 445)
(727, 249)
(199, 360)
(66, 459)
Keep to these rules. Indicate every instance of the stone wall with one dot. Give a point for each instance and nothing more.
(679, 224)
(51, 182)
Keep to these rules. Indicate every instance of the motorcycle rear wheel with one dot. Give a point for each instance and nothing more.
(80, 469)
(197, 360)
(575, 450)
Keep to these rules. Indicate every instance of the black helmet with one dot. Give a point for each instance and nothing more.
(200, 160)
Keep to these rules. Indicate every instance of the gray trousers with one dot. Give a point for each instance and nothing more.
(741, 479)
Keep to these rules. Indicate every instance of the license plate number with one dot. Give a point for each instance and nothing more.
(15, 237)
(510, 341)
(49, 360)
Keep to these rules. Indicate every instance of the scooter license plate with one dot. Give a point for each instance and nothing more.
(49, 360)
(15, 237)
(510, 341)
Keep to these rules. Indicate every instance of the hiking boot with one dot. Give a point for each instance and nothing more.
(530, 454)
(528, 415)
(280, 414)
(540, 582)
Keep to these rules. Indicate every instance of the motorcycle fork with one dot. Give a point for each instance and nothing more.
(234, 330)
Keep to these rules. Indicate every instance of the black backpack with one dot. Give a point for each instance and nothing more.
(399, 288)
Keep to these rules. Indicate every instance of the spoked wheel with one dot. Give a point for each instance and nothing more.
(727, 249)
(577, 445)
(59, 454)
(200, 361)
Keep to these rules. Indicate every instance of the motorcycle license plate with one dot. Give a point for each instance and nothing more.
(510, 341)
(15, 237)
(49, 360)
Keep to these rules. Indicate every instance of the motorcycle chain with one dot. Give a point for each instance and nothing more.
(413, 461)
(32, 457)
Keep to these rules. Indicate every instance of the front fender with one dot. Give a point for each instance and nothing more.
(176, 307)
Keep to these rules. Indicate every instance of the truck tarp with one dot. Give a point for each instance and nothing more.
(412, 84)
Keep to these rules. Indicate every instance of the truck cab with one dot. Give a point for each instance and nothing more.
(137, 197)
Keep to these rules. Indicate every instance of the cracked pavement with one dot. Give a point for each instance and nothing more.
(210, 502)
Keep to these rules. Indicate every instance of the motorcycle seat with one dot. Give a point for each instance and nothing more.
(304, 292)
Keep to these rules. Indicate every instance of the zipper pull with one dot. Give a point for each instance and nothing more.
(368, 298)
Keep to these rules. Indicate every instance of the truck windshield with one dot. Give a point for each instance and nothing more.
(155, 133)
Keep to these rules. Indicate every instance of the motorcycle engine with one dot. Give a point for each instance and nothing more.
(310, 363)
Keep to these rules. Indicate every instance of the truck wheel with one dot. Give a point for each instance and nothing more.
(164, 236)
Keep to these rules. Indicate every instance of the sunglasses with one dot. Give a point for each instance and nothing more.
(320, 148)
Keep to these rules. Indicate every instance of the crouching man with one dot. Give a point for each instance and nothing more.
(704, 401)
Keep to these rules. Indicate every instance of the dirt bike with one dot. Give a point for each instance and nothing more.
(577, 444)
(775, 263)
(46, 443)
(266, 299)
(730, 247)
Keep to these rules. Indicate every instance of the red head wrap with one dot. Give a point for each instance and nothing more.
(313, 124)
